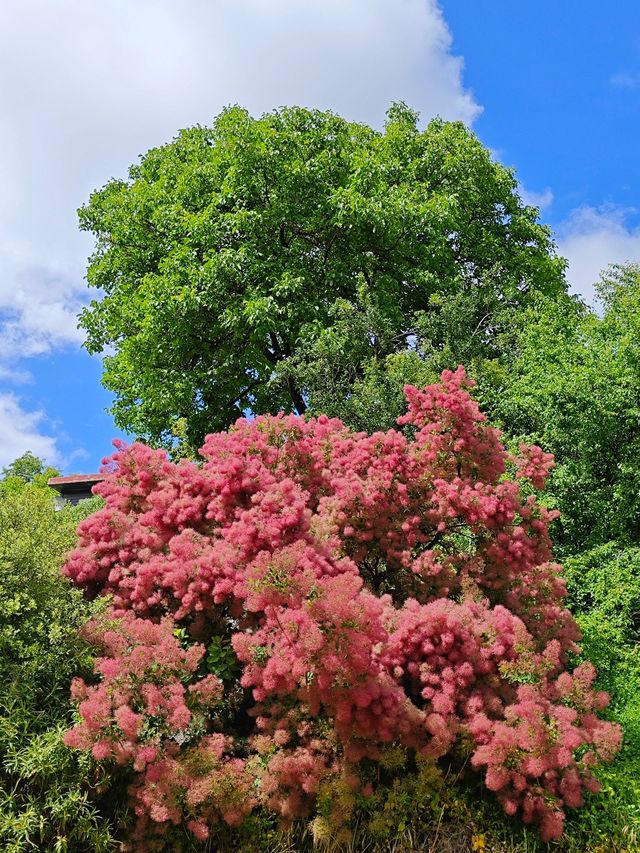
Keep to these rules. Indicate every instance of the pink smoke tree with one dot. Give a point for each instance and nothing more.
(307, 596)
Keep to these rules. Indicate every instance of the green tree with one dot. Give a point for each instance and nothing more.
(27, 468)
(288, 261)
(574, 388)
(571, 383)
(46, 793)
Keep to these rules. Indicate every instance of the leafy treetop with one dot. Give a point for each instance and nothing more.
(27, 468)
(238, 257)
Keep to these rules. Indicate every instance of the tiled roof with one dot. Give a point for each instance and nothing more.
(76, 478)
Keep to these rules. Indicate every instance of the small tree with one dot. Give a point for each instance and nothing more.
(27, 468)
(574, 387)
(311, 598)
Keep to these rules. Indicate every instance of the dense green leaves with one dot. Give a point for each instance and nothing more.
(604, 593)
(575, 389)
(572, 384)
(27, 468)
(604, 587)
(240, 259)
(45, 792)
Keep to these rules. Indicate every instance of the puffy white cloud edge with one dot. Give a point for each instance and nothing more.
(591, 239)
(21, 431)
(86, 88)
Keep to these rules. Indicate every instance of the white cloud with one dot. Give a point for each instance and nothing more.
(624, 80)
(39, 313)
(21, 431)
(542, 200)
(14, 375)
(591, 239)
(85, 87)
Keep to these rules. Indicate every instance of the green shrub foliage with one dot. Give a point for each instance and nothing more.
(45, 791)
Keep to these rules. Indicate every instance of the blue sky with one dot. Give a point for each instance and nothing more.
(560, 88)
(87, 85)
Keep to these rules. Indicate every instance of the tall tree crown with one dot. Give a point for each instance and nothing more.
(231, 251)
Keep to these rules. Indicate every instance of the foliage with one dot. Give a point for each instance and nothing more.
(383, 591)
(244, 262)
(342, 376)
(574, 388)
(604, 590)
(604, 586)
(45, 792)
(27, 468)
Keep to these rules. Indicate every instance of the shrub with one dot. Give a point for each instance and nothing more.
(392, 590)
(45, 791)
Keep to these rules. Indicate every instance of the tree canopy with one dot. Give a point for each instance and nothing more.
(275, 263)
(27, 468)
(574, 387)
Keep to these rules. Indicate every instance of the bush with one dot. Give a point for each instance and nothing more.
(373, 592)
(604, 589)
(45, 791)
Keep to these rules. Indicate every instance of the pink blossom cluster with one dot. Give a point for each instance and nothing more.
(534, 464)
(297, 755)
(141, 702)
(196, 786)
(394, 588)
(148, 703)
(448, 655)
(540, 757)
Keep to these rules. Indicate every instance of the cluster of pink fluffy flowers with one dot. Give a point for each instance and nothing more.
(148, 712)
(387, 589)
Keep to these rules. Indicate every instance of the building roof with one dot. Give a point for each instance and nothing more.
(80, 479)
